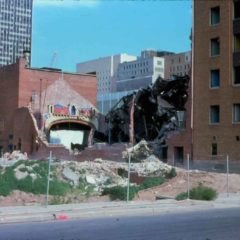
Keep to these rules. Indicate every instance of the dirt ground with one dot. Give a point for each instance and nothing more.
(171, 188)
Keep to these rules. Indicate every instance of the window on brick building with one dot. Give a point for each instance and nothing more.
(215, 78)
(236, 9)
(215, 15)
(215, 47)
(236, 112)
(214, 114)
(237, 42)
(236, 75)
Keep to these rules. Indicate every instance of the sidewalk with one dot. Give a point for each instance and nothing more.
(108, 209)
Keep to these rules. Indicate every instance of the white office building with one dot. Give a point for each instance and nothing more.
(105, 69)
(139, 73)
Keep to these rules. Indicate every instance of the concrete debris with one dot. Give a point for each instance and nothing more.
(152, 167)
(91, 179)
(138, 152)
(9, 159)
(70, 175)
(16, 155)
(20, 175)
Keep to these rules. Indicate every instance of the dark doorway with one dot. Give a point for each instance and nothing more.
(179, 154)
(164, 154)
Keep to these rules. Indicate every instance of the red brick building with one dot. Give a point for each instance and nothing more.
(35, 101)
(216, 77)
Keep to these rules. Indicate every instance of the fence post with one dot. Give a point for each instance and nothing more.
(128, 185)
(227, 175)
(188, 185)
(48, 177)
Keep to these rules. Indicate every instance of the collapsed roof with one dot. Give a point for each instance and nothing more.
(149, 113)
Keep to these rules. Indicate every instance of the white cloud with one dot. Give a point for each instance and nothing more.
(66, 3)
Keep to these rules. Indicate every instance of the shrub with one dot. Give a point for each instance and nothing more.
(199, 193)
(151, 182)
(181, 196)
(120, 192)
(122, 172)
(171, 174)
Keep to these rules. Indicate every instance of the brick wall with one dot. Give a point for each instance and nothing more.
(17, 85)
(9, 85)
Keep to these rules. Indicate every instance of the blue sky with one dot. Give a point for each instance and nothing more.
(81, 30)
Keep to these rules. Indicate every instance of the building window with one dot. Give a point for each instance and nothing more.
(214, 114)
(236, 112)
(237, 9)
(215, 47)
(159, 63)
(236, 75)
(237, 43)
(214, 149)
(215, 78)
(215, 15)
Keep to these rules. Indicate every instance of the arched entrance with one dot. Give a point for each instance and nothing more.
(71, 134)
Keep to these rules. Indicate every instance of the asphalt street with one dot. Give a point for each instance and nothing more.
(203, 225)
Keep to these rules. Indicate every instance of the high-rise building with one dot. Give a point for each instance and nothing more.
(216, 78)
(140, 72)
(15, 29)
(105, 69)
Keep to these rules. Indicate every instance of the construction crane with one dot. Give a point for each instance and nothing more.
(54, 56)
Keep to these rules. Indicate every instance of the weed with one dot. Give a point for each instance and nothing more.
(171, 174)
(151, 182)
(199, 193)
(120, 192)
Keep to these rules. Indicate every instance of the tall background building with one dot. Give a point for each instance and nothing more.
(15, 29)
(216, 78)
(105, 69)
(140, 72)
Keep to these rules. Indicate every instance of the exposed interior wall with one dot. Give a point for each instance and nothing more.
(9, 85)
(25, 133)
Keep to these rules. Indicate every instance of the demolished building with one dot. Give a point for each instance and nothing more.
(43, 107)
(153, 114)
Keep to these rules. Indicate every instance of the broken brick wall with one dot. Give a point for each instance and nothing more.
(17, 86)
(181, 138)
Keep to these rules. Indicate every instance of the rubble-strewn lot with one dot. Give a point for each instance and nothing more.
(70, 181)
(76, 182)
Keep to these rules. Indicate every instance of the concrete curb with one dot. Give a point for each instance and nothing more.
(109, 209)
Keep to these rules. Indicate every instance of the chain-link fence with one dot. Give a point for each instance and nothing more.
(220, 173)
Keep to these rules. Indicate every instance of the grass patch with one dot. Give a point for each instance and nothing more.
(8, 181)
(199, 193)
(151, 182)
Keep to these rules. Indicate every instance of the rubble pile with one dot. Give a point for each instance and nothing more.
(150, 113)
(102, 173)
(15, 155)
(138, 152)
(98, 173)
(9, 159)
